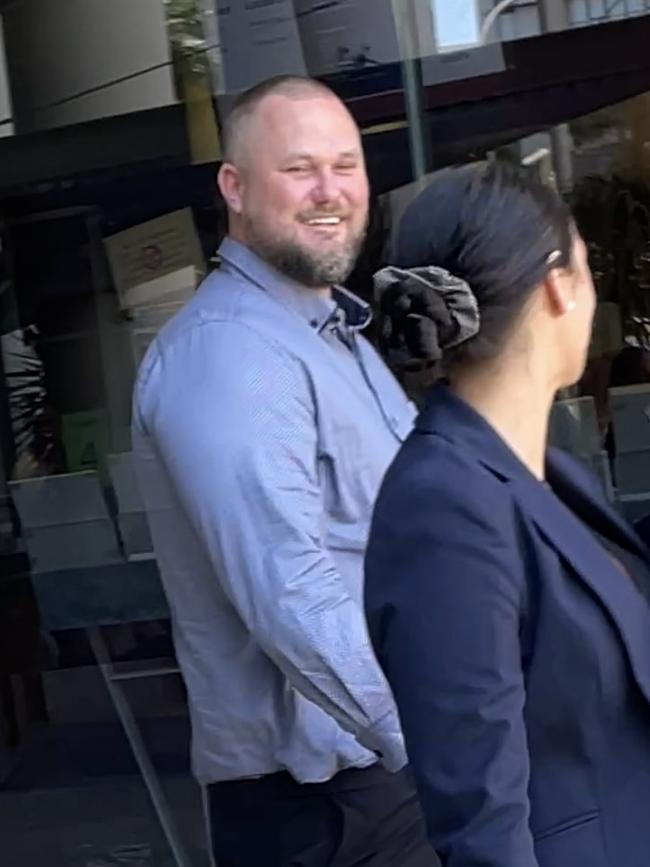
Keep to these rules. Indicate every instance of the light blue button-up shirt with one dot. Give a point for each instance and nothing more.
(263, 425)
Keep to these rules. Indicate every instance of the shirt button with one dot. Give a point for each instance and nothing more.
(314, 323)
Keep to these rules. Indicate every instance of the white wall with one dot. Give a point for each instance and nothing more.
(58, 50)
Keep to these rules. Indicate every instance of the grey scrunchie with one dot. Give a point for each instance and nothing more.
(424, 311)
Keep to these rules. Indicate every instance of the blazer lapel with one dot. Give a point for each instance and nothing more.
(580, 548)
(580, 491)
(562, 519)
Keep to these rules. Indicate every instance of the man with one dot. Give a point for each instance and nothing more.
(263, 426)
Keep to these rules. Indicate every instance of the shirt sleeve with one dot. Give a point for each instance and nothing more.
(233, 421)
(444, 603)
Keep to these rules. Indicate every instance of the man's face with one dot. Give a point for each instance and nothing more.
(302, 201)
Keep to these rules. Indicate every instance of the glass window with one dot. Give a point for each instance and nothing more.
(110, 115)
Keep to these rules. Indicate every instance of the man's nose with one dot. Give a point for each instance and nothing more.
(325, 188)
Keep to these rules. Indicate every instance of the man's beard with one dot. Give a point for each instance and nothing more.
(311, 268)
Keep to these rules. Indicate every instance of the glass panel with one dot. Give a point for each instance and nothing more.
(109, 219)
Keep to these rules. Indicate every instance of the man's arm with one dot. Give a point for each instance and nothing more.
(233, 421)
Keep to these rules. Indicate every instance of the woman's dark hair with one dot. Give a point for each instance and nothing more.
(495, 227)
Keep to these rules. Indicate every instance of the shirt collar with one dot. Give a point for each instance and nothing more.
(318, 311)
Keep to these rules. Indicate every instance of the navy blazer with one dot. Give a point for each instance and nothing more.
(517, 649)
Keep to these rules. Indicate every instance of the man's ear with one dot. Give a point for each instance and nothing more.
(230, 186)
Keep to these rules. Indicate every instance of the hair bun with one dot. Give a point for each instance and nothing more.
(424, 311)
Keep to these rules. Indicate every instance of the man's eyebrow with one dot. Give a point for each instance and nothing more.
(350, 154)
(297, 156)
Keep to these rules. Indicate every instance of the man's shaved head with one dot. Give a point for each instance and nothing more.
(237, 124)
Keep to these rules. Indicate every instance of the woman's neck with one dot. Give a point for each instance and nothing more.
(516, 405)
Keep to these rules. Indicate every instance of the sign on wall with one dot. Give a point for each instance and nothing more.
(457, 24)
(259, 39)
(156, 260)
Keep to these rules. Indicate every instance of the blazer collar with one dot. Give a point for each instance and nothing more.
(565, 512)
(580, 492)
(451, 418)
(566, 516)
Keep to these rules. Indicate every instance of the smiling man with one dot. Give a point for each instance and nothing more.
(295, 182)
(263, 425)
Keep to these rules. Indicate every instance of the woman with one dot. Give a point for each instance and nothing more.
(506, 600)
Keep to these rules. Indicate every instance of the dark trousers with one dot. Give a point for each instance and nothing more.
(361, 818)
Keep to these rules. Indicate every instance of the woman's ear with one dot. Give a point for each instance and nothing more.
(560, 291)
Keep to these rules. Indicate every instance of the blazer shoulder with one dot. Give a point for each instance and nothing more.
(440, 509)
(431, 463)
(442, 487)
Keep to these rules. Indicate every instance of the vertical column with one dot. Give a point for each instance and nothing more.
(553, 17)
(406, 21)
